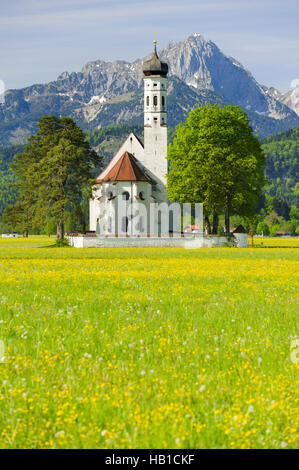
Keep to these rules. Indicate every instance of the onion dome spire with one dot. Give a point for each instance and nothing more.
(155, 66)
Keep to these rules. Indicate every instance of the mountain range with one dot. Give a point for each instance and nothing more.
(109, 93)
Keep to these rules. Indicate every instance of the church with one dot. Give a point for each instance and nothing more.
(136, 175)
(129, 204)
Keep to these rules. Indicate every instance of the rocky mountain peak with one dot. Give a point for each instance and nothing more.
(105, 93)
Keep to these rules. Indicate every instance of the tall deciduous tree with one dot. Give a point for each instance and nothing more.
(53, 171)
(215, 159)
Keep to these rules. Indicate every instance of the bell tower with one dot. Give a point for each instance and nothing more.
(155, 122)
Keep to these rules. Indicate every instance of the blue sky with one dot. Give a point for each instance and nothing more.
(42, 38)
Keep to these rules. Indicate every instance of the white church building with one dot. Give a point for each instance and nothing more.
(136, 175)
(123, 208)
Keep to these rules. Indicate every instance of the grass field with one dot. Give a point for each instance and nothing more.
(148, 348)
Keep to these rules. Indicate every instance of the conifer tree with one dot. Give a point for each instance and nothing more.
(53, 171)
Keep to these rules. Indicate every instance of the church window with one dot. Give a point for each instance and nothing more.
(163, 101)
(147, 101)
(141, 225)
(126, 196)
(124, 224)
(155, 100)
(155, 84)
(110, 196)
(141, 195)
(155, 119)
(109, 224)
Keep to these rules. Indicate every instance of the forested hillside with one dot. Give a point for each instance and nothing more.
(7, 193)
(282, 168)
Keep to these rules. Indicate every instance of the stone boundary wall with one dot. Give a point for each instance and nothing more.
(80, 241)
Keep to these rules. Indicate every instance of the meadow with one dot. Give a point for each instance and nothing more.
(148, 348)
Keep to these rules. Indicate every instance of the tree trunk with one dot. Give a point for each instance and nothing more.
(207, 225)
(215, 223)
(60, 230)
(227, 227)
(227, 215)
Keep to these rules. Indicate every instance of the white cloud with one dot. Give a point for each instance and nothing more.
(66, 12)
(48, 36)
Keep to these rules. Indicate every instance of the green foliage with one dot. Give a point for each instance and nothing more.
(282, 168)
(262, 229)
(7, 189)
(52, 171)
(276, 222)
(62, 243)
(50, 227)
(216, 159)
(220, 230)
(273, 230)
(273, 219)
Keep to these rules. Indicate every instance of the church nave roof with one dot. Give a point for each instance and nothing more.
(126, 169)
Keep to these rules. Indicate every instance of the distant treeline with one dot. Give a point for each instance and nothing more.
(282, 168)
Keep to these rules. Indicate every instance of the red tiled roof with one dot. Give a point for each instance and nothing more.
(126, 169)
(192, 227)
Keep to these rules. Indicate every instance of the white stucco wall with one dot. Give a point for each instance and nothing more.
(135, 208)
(241, 240)
(189, 242)
(155, 133)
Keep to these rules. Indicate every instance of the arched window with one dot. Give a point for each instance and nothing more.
(109, 224)
(141, 225)
(126, 196)
(155, 100)
(141, 195)
(124, 224)
(110, 195)
(147, 101)
(163, 101)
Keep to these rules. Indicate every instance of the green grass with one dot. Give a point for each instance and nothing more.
(31, 241)
(148, 348)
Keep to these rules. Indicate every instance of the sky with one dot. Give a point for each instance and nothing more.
(39, 39)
